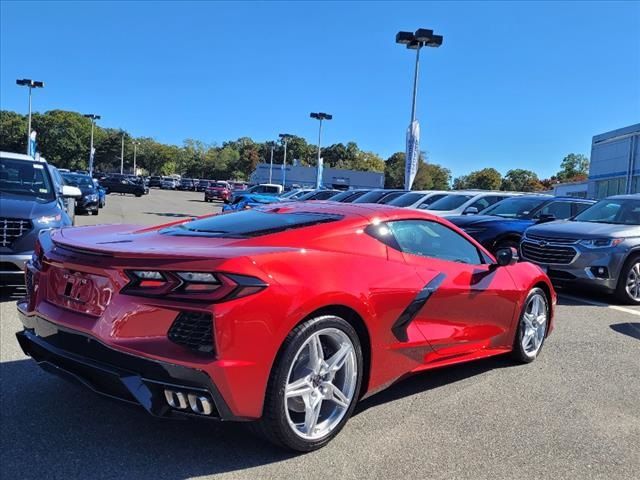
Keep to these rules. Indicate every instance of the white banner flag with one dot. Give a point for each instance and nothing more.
(412, 154)
(319, 173)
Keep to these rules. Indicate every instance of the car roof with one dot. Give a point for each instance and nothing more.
(623, 197)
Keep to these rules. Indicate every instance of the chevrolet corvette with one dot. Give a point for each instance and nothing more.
(284, 315)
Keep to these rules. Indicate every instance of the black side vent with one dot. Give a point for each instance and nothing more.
(193, 330)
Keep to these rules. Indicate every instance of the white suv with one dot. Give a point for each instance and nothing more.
(467, 202)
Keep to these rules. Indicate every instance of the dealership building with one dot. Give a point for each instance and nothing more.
(301, 176)
(615, 163)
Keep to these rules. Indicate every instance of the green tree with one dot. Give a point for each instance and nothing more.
(521, 181)
(574, 167)
(394, 171)
(13, 132)
(461, 182)
(485, 179)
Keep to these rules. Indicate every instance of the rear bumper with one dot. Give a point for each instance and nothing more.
(130, 378)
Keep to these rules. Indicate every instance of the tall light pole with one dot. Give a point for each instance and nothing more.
(415, 41)
(271, 161)
(135, 151)
(319, 116)
(93, 117)
(285, 139)
(122, 155)
(31, 84)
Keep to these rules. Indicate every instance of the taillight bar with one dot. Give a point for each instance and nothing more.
(203, 286)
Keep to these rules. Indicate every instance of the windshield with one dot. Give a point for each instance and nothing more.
(250, 223)
(515, 207)
(23, 177)
(220, 185)
(78, 180)
(450, 202)
(620, 211)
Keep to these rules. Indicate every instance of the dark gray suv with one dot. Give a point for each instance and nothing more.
(31, 199)
(599, 247)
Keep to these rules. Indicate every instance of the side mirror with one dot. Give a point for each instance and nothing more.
(546, 217)
(506, 256)
(69, 191)
(470, 211)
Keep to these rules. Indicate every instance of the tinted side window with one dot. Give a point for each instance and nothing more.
(485, 202)
(433, 198)
(580, 207)
(431, 239)
(560, 210)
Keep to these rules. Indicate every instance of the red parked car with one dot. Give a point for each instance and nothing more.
(218, 191)
(285, 315)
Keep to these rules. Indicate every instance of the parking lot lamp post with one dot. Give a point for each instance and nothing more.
(320, 116)
(271, 163)
(135, 151)
(93, 117)
(415, 41)
(31, 84)
(122, 155)
(285, 139)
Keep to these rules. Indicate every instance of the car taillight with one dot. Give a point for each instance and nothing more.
(204, 286)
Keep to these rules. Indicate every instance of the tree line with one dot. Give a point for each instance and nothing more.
(63, 139)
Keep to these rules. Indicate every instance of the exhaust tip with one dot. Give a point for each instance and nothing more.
(196, 401)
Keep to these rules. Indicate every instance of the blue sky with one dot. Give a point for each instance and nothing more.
(514, 85)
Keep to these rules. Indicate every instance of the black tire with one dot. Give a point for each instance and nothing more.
(274, 425)
(96, 211)
(518, 352)
(138, 195)
(621, 292)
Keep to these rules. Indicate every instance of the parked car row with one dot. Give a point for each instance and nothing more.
(575, 240)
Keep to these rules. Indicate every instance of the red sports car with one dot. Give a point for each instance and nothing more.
(285, 315)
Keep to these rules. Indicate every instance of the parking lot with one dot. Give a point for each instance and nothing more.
(573, 413)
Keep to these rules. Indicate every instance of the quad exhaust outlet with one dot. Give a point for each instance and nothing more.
(198, 403)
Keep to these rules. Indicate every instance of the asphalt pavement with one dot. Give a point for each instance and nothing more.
(572, 414)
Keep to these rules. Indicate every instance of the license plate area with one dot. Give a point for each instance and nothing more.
(79, 291)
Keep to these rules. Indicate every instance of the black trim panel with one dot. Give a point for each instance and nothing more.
(399, 327)
(107, 371)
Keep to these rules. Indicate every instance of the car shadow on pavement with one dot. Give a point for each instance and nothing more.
(631, 329)
(55, 429)
(431, 379)
(170, 214)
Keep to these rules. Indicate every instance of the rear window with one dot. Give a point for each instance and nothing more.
(250, 223)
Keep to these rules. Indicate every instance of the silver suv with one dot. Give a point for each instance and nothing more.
(599, 247)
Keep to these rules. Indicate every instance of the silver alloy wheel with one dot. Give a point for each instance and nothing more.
(321, 383)
(534, 324)
(633, 282)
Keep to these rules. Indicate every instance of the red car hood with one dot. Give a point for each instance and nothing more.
(132, 241)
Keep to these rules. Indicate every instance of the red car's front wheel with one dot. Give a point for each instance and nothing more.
(532, 327)
(314, 385)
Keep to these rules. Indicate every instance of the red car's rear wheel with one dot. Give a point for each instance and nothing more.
(314, 385)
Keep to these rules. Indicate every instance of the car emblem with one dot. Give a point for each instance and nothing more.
(542, 243)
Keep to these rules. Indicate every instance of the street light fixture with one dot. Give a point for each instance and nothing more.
(285, 137)
(93, 117)
(31, 84)
(422, 37)
(319, 116)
